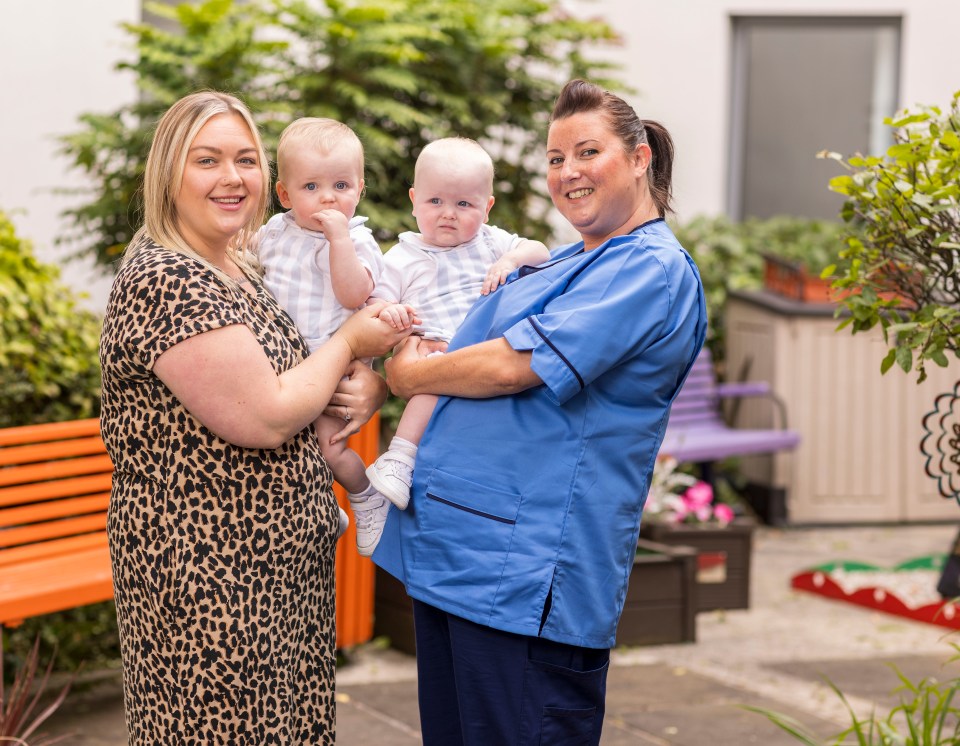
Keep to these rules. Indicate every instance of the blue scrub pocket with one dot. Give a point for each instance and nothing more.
(465, 528)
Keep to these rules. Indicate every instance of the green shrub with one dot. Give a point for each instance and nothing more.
(901, 258)
(399, 72)
(84, 638)
(730, 256)
(49, 364)
(49, 372)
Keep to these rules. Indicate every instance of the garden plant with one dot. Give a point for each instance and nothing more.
(399, 72)
(49, 365)
(729, 256)
(927, 715)
(49, 372)
(23, 708)
(900, 265)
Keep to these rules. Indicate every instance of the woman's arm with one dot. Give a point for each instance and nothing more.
(483, 370)
(225, 380)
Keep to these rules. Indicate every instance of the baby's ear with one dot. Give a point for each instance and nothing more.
(413, 201)
(486, 218)
(283, 195)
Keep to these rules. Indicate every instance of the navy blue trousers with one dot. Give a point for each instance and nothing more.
(480, 686)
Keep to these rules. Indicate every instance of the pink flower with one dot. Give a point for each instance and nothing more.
(699, 495)
(723, 513)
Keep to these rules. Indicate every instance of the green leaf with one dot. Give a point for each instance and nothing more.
(904, 357)
(888, 361)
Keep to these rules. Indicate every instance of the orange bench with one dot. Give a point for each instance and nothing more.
(54, 492)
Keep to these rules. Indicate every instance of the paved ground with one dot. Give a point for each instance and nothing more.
(772, 655)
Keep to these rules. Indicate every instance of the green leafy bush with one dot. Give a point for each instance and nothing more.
(730, 255)
(399, 72)
(85, 636)
(49, 365)
(901, 259)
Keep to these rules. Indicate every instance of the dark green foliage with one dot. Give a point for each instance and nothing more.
(400, 72)
(730, 256)
(49, 365)
(901, 259)
(86, 636)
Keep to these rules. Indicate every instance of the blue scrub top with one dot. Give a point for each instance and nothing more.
(517, 498)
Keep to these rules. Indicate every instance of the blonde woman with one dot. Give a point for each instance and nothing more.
(222, 521)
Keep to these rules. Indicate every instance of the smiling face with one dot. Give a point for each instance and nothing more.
(593, 182)
(221, 185)
(315, 180)
(451, 195)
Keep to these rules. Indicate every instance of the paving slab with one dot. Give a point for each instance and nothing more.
(772, 655)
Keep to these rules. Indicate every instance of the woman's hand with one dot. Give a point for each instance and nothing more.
(360, 393)
(369, 336)
(400, 366)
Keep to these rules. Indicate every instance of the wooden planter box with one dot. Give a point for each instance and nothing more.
(661, 602)
(723, 562)
(660, 607)
(792, 280)
(393, 613)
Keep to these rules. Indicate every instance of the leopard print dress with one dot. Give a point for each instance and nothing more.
(223, 557)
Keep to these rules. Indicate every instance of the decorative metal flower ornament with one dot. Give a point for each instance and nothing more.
(941, 443)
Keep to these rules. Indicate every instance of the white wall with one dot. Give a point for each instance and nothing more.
(677, 56)
(56, 61)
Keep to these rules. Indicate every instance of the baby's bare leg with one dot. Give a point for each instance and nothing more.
(415, 417)
(347, 466)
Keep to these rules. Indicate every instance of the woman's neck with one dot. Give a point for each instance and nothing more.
(644, 213)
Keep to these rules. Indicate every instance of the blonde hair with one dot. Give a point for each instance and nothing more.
(318, 133)
(456, 153)
(163, 177)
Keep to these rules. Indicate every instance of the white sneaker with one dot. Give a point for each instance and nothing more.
(344, 522)
(370, 514)
(391, 476)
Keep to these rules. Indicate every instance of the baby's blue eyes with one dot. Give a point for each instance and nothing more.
(339, 186)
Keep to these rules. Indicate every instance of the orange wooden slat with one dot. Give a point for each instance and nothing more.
(55, 470)
(49, 431)
(55, 583)
(31, 454)
(53, 529)
(49, 511)
(53, 548)
(355, 574)
(58, 488)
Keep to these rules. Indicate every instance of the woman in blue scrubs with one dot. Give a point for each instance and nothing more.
(531, 477)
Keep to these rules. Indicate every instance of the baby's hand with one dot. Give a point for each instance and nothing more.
(333, 223)
(399, 316)
(497, 274)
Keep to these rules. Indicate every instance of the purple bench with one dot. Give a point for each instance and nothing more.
(697, 431)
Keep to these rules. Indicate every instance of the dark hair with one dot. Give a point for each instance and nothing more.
(579, 96)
